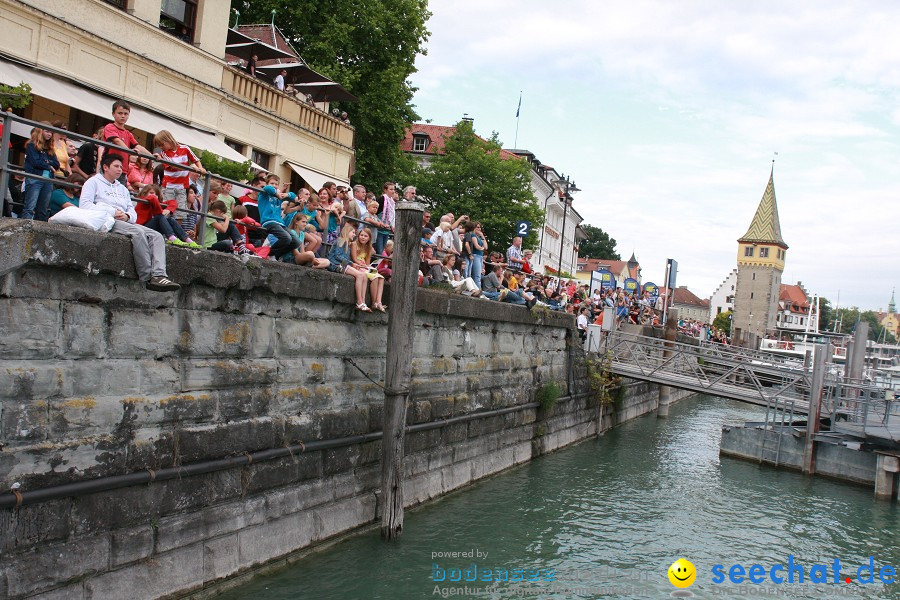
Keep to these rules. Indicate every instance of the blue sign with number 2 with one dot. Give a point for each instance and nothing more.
(522, 228)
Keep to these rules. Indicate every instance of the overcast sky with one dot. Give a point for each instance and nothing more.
(668, 114)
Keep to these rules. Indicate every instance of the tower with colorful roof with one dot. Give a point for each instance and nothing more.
(760, 258)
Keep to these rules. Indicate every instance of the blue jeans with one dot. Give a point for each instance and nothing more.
(380, 241)
(285, 242)
(167, 226)
(37, 199)
(476, 264)
(511, 297)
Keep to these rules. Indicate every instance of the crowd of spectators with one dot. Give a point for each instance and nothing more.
(341, 229)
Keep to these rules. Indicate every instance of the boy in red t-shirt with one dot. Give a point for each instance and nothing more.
(115, 133)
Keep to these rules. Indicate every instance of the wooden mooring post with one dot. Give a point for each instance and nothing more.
(665, 392)
(817, 388)
(398, 367)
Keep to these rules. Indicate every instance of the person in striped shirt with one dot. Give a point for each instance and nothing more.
(175, 180)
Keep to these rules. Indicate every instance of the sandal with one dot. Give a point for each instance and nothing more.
(362, 307)
(380, 307)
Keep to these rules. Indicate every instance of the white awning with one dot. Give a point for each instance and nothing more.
(314, 178)
(99, 104)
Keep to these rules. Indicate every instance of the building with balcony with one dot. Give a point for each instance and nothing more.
(561, 221)
(167, 58)
(424, 142)
(795, 312)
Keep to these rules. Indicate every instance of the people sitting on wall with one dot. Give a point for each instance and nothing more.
(221, 234)
(190, 219)
(384, 265)
(65, 196)
(430, 267)
(161, 217)
(269, 201)
(460, 285)
(341, 262)
(361, 253)
(104, 191)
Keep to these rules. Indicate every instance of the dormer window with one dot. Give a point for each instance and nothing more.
(420, 142)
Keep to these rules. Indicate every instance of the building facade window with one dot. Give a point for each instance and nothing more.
(117, 3)
(748, 251)
(261, 158)
(764, 253)
(236, 146)
(178, 18)
(420, 143)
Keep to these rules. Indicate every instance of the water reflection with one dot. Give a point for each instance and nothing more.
(615, 513)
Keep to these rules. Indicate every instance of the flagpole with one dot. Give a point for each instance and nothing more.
(518, 110)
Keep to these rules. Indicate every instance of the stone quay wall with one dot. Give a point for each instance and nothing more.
(225, 383)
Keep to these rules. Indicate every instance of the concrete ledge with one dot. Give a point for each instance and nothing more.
(30, 243)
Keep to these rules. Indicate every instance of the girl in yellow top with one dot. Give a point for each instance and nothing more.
(362, 252)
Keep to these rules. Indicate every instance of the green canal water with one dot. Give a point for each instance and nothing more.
(606, 518)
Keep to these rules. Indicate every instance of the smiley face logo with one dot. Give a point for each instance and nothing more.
(682, 573)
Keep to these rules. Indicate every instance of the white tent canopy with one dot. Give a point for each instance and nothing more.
(315, 178)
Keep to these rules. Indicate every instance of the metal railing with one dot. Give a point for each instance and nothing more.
(712, 369)
(7, 119)
(855, 406)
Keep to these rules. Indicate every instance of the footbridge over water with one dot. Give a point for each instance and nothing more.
(864, 409)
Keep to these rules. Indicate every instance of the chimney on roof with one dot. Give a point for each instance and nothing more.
(467, 118)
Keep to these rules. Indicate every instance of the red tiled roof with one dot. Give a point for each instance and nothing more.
(438, 136)
(682, 295)
(793, 298)
(616, 267)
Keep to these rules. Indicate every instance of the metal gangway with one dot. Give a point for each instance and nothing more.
(862, 408)
(715, 369)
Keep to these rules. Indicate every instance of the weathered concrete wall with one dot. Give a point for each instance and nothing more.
(832, 460)
(101, 378)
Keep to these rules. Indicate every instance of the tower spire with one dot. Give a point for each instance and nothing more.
(892, 306)
(765, 227)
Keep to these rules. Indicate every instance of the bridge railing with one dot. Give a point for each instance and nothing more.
(862, 407)
(715, 369)
(858, 406)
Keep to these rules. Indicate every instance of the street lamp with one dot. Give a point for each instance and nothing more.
(566, 188)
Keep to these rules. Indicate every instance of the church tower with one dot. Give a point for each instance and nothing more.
(760, 259)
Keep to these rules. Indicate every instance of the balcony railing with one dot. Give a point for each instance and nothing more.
(287, 107)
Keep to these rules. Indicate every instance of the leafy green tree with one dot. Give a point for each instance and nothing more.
(471, 178)
(849, 317)
(224, 167)
(368, 47)
(18, 96)
(826, 315)
(598, 244)
(722, 321)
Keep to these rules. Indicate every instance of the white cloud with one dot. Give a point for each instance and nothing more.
(667, 114)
